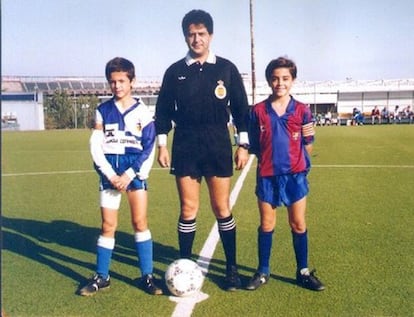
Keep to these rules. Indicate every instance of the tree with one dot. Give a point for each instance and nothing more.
(65, 111)
(86, 110)
(58, 114)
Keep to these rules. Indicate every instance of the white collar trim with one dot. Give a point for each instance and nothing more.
(211, 59)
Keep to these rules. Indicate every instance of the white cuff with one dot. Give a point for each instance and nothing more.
(106, 242)
(130, 173)
(143, 236)
(109, 173)
(243, 138)
(162, 140)
(146, 165)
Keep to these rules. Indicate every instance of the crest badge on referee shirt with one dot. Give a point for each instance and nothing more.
(220, 90)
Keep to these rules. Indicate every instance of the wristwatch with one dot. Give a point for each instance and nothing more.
(245, 146)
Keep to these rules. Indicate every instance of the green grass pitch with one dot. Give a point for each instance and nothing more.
(360, 220)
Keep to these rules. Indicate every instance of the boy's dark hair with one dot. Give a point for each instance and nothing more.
(281, 62)
(120, 64)
(197, 17)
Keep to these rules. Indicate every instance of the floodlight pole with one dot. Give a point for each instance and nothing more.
(75, 110)
(253, 67)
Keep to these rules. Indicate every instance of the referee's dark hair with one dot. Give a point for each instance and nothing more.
(197, 17)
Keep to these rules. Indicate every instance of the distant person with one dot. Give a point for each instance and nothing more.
(319, 119)
(281, 133)
(396, 114)
(336, 119)
(408, 113)
(196, 94)
(385, 115)
(328, 118)
(357, 117)
(122, 148)
(375, 114)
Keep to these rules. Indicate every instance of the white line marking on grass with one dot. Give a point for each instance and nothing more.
(185, 305)
(47, 173)
(61, 172)
(166, 169)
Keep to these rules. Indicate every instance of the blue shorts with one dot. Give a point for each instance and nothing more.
(284, 189)
(120, 163)
(135, 184)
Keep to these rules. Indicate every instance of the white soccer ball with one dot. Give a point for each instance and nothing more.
(184, 277)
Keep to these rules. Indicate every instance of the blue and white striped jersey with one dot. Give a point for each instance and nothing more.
(127, 132)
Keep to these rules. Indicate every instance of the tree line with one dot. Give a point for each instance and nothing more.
(64, 110)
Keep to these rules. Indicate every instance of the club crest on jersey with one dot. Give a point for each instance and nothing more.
(139, 127)
(295, 136)
(220, 90)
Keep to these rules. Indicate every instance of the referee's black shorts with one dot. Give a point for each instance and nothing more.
(201, 152)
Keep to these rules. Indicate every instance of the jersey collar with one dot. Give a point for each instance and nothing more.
(211, 59)
(290, 107)
(125, 111)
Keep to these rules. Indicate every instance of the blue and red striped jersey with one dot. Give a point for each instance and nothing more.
(279, 141)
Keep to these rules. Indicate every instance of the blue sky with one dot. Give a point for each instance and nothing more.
(328, 39)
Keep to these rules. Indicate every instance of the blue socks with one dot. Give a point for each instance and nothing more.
(143, 245)
(104, 250)
(300, 245)
(264, 242)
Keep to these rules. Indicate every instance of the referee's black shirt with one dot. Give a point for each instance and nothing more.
(193, 96)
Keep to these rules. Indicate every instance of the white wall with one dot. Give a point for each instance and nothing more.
(29, 113)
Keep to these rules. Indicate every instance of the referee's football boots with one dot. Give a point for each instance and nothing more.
(232, 280)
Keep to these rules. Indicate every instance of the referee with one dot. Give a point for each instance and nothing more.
(197, 95)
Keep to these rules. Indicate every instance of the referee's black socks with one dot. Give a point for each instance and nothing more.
(227, 231)
(186, 234)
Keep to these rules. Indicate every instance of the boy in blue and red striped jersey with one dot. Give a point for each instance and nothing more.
(281, 134)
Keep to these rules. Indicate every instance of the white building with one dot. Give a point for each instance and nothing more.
(342, 97)
(22, 111)
(21, 102)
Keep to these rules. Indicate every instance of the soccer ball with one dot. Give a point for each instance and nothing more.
(184, 277)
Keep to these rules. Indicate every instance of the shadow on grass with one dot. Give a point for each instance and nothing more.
(217, 271)
(36, 240)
